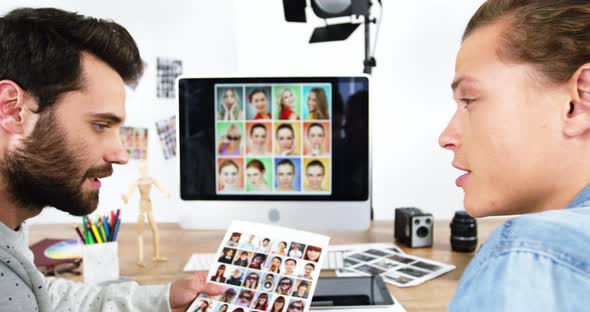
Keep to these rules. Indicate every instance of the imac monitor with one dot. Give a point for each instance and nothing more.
(293, 151)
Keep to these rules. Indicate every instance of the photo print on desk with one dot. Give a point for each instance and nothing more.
(135, 141)
(253, 263)
(393, 265)
(166, 72)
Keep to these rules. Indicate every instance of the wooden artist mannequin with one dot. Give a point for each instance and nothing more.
(144, 185)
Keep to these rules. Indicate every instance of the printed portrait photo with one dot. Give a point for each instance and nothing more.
(261, 301)
(274, 264)
(248, 242)
(234, 240)
(312, 253)
(296, 250)
(242, 258)
(302, 288)
(306, 270)
(280, 248)
(227, 255)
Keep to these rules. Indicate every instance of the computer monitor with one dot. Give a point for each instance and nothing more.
(292, 151)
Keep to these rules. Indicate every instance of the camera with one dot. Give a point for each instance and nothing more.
(413, 227)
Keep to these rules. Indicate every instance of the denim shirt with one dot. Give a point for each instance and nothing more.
(535, 262)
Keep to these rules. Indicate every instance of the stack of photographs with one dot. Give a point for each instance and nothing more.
(393, 265)
(264, 268)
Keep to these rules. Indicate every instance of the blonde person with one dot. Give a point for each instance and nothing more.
(257, 140)
(230, 106)
(317, 104)
(521, 135)
(287, 105)
(315, 140)
(229, 176)
(230, 144)
(255, 172)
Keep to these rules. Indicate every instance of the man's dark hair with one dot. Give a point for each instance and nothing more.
(40, 50)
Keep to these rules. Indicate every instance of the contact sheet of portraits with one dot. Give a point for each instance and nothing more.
(273, 139)
(264, 268)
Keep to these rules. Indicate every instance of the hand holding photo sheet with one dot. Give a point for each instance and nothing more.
(264, 268)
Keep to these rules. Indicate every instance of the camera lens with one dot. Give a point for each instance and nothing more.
(268, 285)
(422, 231)
(463, 232)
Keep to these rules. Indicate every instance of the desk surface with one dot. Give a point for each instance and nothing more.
(178, 245)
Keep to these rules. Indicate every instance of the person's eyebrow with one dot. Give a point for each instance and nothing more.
(108, 116)
(459, 80)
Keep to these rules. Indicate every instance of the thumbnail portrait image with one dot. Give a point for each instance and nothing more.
(287, 138)
(316, 138)
(230, 175)
(316, 175)
(287, 102)
(287, 174)
(248, 242)
(229, 137)
(259, 138)
(258, 102)
(318, 102)
(229, 103)
(259, 174)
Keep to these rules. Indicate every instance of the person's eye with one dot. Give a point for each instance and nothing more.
(100, 127)
(467, 102)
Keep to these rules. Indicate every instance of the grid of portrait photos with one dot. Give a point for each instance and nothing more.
(393, 265)
(135, 141)
(167, 132)
(264, 268)
(273, 139)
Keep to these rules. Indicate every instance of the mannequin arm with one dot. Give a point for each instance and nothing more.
(159, 186)
(125, 196)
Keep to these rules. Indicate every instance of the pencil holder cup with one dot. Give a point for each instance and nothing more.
(101, 263)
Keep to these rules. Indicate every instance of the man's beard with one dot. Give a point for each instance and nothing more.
(46, 171)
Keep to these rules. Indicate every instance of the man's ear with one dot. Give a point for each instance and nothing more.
(577, 115)
(12, 105)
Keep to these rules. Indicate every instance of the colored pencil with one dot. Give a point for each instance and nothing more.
(96, 234)
(80, 234)
(116, 230)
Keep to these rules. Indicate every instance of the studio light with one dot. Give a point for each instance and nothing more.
(329, 9)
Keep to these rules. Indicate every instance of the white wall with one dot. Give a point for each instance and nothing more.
(411, 97)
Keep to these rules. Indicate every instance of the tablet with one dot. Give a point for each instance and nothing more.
(351, 292)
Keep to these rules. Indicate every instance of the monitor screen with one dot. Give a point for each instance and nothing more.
(271, 138)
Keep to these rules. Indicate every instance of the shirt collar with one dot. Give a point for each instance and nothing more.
(582, 199)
